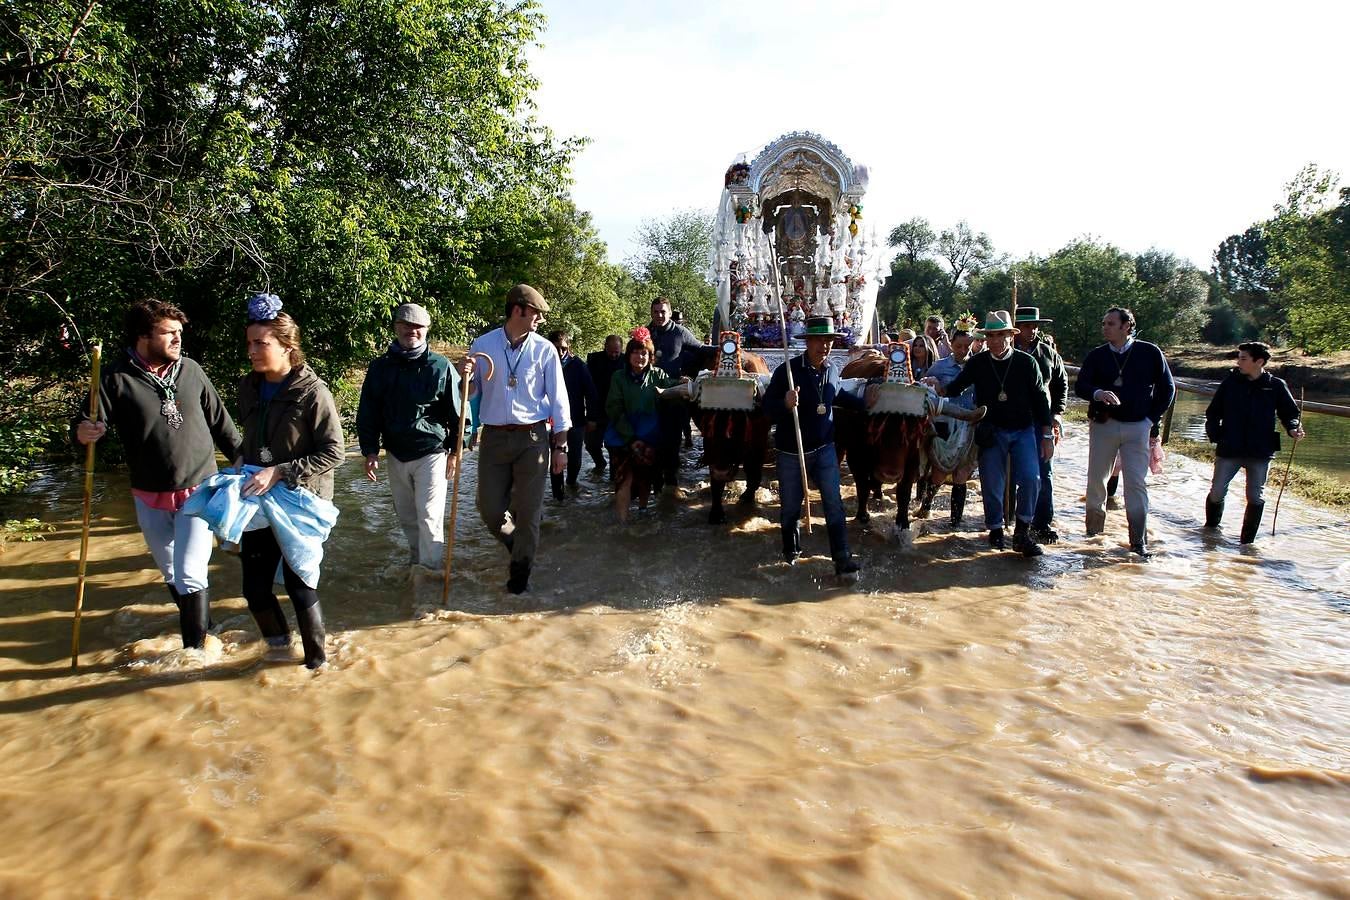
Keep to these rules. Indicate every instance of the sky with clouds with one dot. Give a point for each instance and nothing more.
(1150, 124)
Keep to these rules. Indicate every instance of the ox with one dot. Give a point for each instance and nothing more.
(888, 447)
(733, 439)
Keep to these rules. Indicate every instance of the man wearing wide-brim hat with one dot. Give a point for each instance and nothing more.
(816, 392)
(410, 405)
(526, 392)
(1030, 339)
(1017, 426)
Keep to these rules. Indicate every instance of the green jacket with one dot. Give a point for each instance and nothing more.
(1053, 373)
(411, 406)
(634, 398)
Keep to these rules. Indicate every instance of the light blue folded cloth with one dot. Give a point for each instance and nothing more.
(300, 520)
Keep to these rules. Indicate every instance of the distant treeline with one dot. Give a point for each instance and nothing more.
(1285, 280)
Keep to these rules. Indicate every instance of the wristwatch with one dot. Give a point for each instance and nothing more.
(1047, 435)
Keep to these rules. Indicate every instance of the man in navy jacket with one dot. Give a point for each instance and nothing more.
(1241, 420)
(1130, 387)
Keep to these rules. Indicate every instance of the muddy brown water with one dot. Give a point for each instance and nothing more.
(672, 711)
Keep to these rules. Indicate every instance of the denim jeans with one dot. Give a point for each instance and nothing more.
(1020, 445)
(822, 468)
(1226, 467)
(181, 545)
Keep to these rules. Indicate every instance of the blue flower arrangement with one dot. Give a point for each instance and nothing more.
(263, 307)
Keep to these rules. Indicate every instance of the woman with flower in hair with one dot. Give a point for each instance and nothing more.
(292, 433)
(634, 432)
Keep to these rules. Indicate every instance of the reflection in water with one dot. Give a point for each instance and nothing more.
(673, 711)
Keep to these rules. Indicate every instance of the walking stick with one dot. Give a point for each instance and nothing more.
(97, 354)
(787, 367)
(1289, 465)
(1010, 488)
(459, 467)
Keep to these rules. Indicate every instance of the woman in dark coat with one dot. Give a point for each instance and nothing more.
(292, 430)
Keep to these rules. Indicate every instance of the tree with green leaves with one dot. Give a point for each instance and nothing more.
(672, 262)
(346, 154)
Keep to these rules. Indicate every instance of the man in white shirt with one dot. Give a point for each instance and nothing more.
(525, 393)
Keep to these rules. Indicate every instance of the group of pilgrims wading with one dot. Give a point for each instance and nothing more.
(990, 399)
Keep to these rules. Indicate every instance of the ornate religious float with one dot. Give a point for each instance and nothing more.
(789, 243)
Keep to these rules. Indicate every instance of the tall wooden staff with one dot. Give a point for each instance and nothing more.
(1289, 465)
(787, 367)
(97, 354)
(459, 467)
(1010, 489)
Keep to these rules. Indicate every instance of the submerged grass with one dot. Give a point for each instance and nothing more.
(1304, 482)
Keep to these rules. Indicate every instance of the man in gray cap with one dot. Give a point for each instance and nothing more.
(526, 418)
(410, 404)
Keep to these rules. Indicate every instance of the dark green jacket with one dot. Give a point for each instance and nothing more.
(1053, 373)
(628, 397)
(409, 406)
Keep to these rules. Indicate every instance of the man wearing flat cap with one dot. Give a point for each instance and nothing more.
(526, 418)
(410, 407)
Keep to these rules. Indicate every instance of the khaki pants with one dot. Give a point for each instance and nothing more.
(418, 487)
(512, 475)
(1130, 440)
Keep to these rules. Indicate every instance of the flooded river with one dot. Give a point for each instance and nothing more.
(673, 712)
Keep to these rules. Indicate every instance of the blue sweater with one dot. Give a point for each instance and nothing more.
(1147, 388)
(815, 387)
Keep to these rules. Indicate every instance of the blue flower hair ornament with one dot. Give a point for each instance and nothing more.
(263, 307)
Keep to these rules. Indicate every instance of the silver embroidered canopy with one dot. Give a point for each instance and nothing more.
(799, 199)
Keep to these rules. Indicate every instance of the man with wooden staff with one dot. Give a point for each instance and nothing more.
(170, 421)
(410, 405)
(1240, 419)
(1130, 388)
(816, 379)
(526, 394)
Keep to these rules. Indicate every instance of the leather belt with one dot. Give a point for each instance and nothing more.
(528, 427)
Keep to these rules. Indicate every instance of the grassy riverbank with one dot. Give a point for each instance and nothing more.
(1304, 482)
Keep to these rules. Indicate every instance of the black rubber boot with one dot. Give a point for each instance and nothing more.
(1213, 513)
(792, 547)
(519, 580)
(958, 503)
(194, 618)
(1251, 522)
(1023, 542)
(996, 539)
(1095, 521)
(271, 620)
(312, 635)
(557, 483)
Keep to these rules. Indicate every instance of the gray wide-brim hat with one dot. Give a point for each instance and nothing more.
(412, 314)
